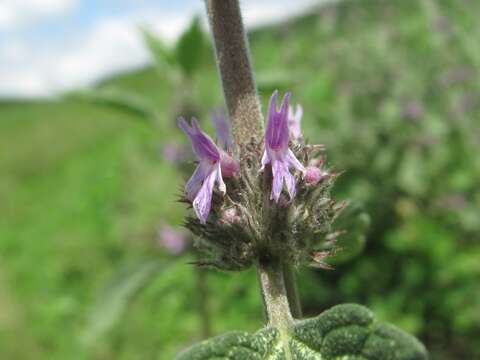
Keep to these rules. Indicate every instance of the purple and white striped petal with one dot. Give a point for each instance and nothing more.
(277, 185)
(195, 182)
(202, 144)
(203, 201)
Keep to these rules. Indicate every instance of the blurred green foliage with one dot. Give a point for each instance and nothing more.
(391, 87)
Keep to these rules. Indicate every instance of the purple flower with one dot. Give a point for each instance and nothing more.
(277, 153)
(222, 127)
(294, 119)
(230, 166)
(174, 240)
(212, 163)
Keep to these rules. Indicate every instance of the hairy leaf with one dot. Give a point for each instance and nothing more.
(347, 332)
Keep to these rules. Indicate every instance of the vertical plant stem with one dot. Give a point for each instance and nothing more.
(202, 301)
(233, 60)
(292, 291)
(274, 294)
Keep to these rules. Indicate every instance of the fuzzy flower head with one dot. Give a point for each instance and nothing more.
(277, 152)
(212, 163)
(243, 226)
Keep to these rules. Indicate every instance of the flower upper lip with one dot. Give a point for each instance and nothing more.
(202, 144)
(277, 134)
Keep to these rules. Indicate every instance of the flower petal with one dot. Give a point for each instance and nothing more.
(183, 124)
(203, 201)
(277, 134)
(292, 161)
(219, 180)
(265, 159)
(195, 182)
(290, 182)
(202, 144)
(278, 169)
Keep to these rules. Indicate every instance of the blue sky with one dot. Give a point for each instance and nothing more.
(49, 46)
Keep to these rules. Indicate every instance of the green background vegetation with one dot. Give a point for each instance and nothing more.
(392, 89)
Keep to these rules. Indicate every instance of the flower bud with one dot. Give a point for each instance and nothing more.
(230, 215)
(229, 165)
(313, 175)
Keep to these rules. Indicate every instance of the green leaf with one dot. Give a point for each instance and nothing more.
(162, 55)
(120, 99)
(347, 332)
(115, 297)
(354, 223)
(189, 48)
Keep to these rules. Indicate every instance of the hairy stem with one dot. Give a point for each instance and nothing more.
(233, 60)
(292, 291)
(274, 295)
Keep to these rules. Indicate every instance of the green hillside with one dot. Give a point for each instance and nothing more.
(391, 87)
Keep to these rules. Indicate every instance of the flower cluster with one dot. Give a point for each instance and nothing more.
(274, 201)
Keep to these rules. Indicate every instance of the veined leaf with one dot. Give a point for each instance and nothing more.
(347, 332)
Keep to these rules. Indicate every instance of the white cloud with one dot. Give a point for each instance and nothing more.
(19, 13)
(256, 13)
(110, 45)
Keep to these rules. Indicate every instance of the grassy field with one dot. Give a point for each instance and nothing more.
(391, 87)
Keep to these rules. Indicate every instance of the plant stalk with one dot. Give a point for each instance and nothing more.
(274, 295)
(292, 291)
(233, 61)
(278, 285)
